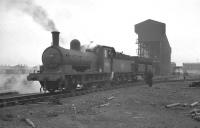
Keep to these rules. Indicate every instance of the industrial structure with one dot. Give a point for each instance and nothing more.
(153, 43)
(191, 68)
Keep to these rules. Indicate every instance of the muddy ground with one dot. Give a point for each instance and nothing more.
(133, 107)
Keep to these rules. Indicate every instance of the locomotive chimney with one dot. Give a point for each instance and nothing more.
(55, 37)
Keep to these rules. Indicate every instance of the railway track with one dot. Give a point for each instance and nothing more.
(20, 100)
(25, 99)
(14, 100)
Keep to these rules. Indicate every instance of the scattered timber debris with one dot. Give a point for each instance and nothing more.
(138, 117)
(197, 118)
(194, 113)
(29, 122)
(110, 98)
(177, 105)
(195, 84)
(172, 105)
(194, 104)
(106, 104)
(129, 113)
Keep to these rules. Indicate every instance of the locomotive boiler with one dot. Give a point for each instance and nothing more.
(65, 69)
(56, 58)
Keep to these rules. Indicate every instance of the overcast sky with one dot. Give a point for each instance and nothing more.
(106, 22)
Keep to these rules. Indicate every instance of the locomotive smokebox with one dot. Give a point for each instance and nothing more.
(55, 38)
(75, 45)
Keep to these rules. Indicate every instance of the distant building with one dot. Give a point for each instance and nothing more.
(153, 43)
(173, 67)
(191, 68)
(17, 69)
(178, 70)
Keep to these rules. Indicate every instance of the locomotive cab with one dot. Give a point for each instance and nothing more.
(105, 57)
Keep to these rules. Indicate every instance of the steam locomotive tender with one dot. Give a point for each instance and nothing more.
(67, 69)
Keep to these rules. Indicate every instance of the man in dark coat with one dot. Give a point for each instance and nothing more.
(148, 78)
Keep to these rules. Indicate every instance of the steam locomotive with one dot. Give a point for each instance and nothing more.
(67, 69)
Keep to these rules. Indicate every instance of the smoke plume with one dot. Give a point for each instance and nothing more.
(18, 83)
(30, 8)
(91, 45)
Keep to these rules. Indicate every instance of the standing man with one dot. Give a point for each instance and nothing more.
(184, 75)
(149, 78)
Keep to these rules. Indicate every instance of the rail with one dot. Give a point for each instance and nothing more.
(20, 100)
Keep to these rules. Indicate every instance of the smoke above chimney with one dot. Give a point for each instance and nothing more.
(30, 8)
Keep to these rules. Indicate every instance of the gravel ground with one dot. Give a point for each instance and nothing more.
(133, 107)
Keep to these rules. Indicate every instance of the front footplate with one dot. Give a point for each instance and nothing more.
(43, 77)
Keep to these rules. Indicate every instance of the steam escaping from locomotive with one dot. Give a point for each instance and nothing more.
(91, 45)
(18, 83)
(30, 8)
